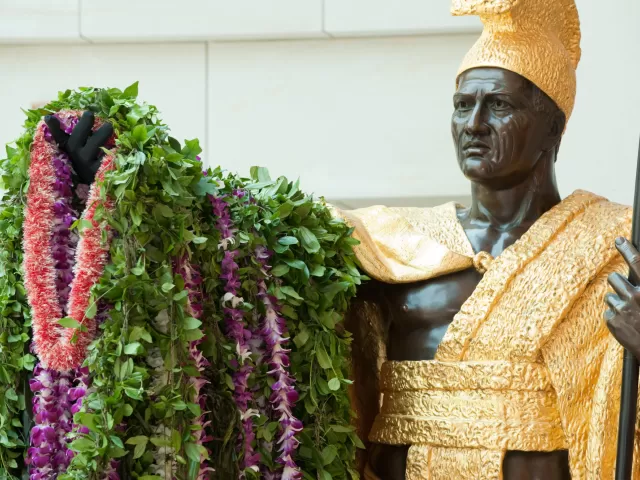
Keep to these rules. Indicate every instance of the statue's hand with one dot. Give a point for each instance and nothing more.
(82, 145)
(623, 315)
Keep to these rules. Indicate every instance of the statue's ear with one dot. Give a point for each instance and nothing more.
(556, 129)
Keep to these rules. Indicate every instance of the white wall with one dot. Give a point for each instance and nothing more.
(353, 117)
(172, 76)
(600, 149)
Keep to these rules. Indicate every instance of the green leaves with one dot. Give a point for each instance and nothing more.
(139, 332)
(280, 270)
(15, 314)
(134, 348)
(82, 445)
(140, 364)
(69, 322)
(131, 90)
(193, 452)
(322, 356)
(92, 310)
(191, 323)
(287, 290)
(140, 443)
(288, 240)
(315, 267)
(309, 240)
(164, 210)
(334, 384)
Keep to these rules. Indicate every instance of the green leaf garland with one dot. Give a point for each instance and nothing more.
(142, 407)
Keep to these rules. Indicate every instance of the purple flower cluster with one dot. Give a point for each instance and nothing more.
(63, 241)
(67, 124)
(57, 396)
(284, 396)
(237, 331)
(111, 473)
(224, 223)
(193, 283)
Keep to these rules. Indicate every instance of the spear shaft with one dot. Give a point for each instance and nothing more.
(629, 393)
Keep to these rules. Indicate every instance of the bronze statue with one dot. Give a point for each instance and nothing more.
(505, 370)
(507, 148)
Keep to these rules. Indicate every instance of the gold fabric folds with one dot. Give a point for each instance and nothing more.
(401, 245)
(527, 363)
(471, 411)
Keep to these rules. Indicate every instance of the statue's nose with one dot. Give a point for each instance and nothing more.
(476, 122)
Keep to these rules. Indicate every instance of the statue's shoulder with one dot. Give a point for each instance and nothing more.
(399, 245)
(439, 222)
(597, 215)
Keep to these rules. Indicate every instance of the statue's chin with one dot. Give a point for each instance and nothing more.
(477, 168)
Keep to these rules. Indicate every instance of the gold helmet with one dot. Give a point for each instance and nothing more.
(538, 39)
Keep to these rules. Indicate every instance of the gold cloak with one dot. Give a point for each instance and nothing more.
(527, 363)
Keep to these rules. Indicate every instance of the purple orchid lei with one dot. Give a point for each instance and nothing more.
(193, 282)
(237, 330)
(284, 396)
(48, 454)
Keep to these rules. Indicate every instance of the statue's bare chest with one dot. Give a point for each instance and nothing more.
(420, 313)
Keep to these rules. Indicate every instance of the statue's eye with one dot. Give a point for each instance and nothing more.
(462, 105)
(499, 104)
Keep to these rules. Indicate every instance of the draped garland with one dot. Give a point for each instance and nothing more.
(186, 322)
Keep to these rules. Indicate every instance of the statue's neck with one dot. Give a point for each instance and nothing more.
(520, 205)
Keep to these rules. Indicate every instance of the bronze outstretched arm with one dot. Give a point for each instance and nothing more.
(83, 145)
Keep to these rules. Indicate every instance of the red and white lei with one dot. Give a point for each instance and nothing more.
(52, 341)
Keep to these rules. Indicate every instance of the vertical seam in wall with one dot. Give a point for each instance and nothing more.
(323, 11)
(206, 101)
(82, 37)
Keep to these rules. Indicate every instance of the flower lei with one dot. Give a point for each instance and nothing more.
(206, 307)
(236, 330)
(52, 256)
(284, 396)
(56, 282)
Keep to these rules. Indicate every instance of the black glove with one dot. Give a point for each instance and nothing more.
(82, 146)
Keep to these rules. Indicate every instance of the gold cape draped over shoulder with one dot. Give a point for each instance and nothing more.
(527, 364)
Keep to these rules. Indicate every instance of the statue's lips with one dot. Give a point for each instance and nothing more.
(476, 148)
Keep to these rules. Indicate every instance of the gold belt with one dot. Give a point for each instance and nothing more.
(460, 418)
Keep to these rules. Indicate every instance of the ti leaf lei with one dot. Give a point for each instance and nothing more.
(220, 352)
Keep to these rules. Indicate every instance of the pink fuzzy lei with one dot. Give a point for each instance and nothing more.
(52, 342)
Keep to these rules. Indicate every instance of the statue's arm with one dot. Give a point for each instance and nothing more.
(366, 322)
(83, 145)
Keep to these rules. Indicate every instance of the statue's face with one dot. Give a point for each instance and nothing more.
(499, 131)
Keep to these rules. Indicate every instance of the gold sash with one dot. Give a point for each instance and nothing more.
(478, 410)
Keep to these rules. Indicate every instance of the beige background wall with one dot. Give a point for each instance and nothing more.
(353, 96)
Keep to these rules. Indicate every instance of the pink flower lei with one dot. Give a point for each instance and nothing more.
(53, 290)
